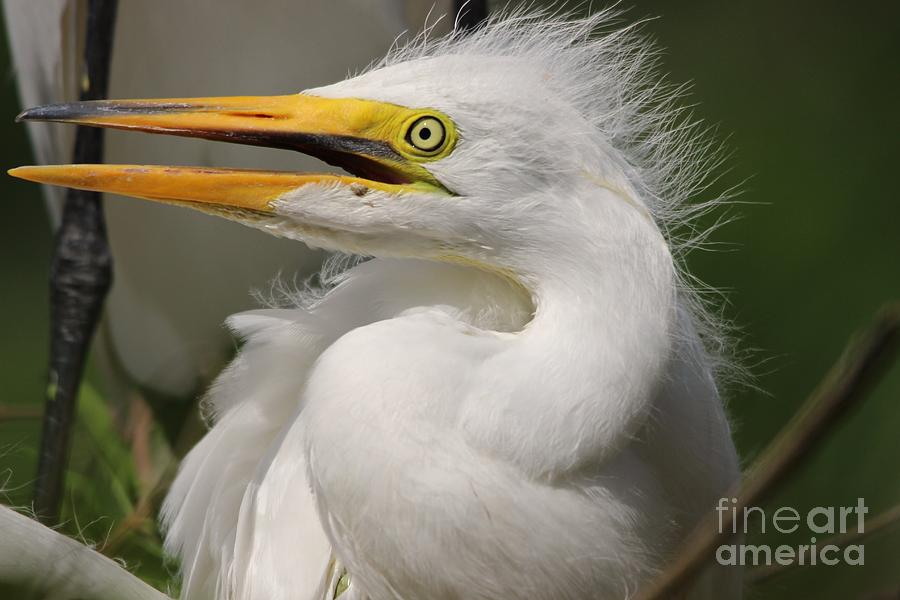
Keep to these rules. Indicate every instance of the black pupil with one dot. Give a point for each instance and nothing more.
(425, 133)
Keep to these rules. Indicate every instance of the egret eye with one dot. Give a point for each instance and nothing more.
(426, 134)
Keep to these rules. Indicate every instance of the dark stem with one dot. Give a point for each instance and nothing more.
(80, 277)
(470, 13)
(865, 360)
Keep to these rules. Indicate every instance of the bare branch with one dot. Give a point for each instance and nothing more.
(853, 376)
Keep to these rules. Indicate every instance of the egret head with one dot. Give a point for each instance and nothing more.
(488, 147)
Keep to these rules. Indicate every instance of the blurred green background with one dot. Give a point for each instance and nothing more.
(807, 93)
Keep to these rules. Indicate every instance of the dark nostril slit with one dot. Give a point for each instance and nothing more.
(257, 115)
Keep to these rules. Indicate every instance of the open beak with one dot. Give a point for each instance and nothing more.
(360, 136)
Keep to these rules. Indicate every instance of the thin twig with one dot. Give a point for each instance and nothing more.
(9, 412)
(853, 376)
(881, 522)
(143, 510)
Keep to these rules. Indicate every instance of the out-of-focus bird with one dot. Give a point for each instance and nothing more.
(512, 400)
(151, 337)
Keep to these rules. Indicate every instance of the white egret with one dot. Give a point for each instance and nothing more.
(512, 399)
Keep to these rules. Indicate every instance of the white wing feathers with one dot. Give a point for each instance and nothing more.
(220, 513)
(212, 509)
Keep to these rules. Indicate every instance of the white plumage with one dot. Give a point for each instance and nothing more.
(514, 398)
(457, 446)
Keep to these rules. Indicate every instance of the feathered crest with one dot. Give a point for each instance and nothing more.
(611, 73)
